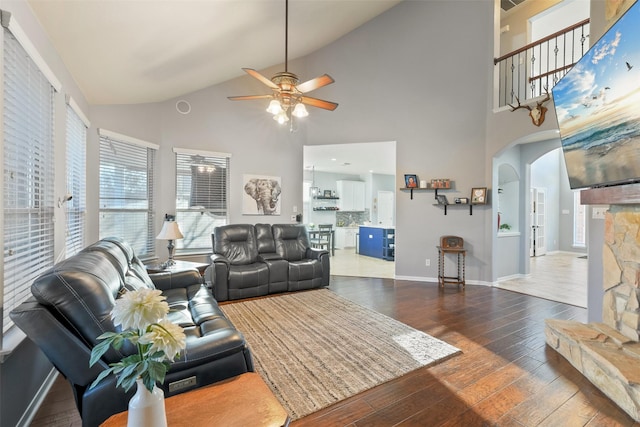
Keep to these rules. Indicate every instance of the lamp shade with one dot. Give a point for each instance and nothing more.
(170, 231)
(300, 111)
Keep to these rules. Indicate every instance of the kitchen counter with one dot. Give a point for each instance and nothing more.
(377, 241)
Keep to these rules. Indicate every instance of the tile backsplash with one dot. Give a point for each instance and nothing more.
(344, 218)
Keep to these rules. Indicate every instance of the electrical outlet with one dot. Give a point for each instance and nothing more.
(428, 262)
(599, 212)
(293, 217)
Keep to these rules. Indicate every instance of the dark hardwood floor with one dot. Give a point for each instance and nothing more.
(506, 375)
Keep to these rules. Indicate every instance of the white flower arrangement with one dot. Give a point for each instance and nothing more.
(142, 315)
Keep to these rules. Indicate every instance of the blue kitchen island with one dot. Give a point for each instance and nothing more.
(377, 241)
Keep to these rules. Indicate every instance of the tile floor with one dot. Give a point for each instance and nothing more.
(559, 277)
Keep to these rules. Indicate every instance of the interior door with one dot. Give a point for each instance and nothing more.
(385, 208)
(537, 213)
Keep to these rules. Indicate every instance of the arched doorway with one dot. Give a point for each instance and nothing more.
(524, 171)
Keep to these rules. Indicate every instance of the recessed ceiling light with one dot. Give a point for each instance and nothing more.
(334, 159)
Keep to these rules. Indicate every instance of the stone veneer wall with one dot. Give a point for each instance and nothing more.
(621, 267)
(608, 353)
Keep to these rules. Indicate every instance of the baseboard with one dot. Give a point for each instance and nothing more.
(511, 277)
(37, 400)
(435, 280)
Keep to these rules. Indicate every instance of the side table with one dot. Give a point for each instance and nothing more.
(461, 255)
(178, 266)
(241, 401)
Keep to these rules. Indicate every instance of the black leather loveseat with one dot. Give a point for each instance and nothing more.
(254, 260)
(71, 306)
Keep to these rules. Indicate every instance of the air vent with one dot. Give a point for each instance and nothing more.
(508, 4)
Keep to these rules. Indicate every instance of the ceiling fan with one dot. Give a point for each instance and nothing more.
(288, 95)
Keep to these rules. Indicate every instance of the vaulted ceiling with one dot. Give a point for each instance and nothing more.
(137, 51)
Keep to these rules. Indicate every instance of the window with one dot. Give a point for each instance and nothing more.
(579, 222)
(75, 209)
(28, 193)
(126, 190)
(202, 182)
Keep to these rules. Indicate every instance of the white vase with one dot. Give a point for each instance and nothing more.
(146, 409)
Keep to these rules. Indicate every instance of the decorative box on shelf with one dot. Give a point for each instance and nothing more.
(441, 183)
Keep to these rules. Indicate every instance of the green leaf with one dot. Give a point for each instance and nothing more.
(98, 351)
(100, 377)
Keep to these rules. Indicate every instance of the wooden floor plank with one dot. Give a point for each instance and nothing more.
(506, 375)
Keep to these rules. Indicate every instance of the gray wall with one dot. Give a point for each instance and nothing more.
(385, 92)
(390, 90)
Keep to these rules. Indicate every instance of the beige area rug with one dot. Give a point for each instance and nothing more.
(316, 348)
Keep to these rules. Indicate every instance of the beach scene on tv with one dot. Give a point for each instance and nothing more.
(598, 108)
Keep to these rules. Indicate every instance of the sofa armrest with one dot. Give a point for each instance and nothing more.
(176, 279)
(313, 253)
(217, 276)
(219, 258)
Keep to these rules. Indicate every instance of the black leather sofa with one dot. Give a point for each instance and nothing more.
(71, 306)
(255, 260)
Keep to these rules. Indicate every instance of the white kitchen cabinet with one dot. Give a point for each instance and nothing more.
(345, 237)
(351, 195)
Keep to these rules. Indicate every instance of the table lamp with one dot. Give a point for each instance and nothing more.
(170, 231)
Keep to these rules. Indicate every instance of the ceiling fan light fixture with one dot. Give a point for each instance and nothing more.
(274, 107)
(300, 111)
(287, 91)
(281, 117)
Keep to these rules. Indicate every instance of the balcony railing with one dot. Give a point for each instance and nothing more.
(535, 68)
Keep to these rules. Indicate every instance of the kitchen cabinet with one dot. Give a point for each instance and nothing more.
(351, 195)
(346, 237)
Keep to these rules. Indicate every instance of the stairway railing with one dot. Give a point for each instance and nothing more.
(528, 72)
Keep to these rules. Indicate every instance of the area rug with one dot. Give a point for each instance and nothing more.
(316, 348)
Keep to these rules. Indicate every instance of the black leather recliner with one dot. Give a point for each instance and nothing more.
(306, 267)
(238, 271)
(281, 250)
(72, 305)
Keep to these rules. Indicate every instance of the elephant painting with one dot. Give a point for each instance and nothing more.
(266, 193)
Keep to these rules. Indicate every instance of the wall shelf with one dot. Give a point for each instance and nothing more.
(456, 205)
(435, 190)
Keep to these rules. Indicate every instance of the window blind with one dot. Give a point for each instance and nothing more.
(75, 209)
(28, 175)
(126, 193)
(202, 183)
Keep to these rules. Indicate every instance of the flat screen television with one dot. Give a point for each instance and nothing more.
(597, 105)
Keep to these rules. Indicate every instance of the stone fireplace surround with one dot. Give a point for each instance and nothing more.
(608, 353)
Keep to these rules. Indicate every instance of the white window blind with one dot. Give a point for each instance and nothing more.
(202, 183)
(126, 192)
(28, 175)
(75, 209)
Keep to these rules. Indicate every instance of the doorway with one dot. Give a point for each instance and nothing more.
(373, 166)
(537, 217)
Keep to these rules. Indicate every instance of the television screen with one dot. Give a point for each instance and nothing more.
(598, 108)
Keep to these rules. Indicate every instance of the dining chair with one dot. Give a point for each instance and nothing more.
(321, 239)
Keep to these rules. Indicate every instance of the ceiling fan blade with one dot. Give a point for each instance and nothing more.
(248, 97)
(314, 102)
(314, 84)
(253, 73)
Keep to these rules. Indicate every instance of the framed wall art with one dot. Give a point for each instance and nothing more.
(411, 181)
(261, 195)
(479, 196)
